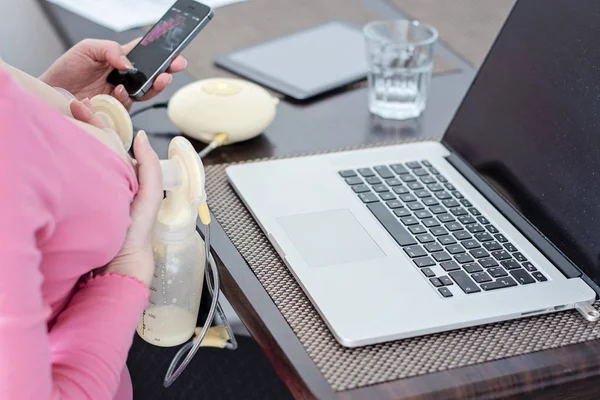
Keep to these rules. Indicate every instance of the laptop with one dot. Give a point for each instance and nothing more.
(498, 221)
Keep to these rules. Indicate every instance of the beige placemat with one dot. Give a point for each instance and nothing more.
(468, 26)
(346, 368)
(253, 22)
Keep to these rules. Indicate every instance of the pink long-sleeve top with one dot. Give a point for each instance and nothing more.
(64, 210)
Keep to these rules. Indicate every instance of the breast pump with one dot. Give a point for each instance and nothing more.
(180, 255)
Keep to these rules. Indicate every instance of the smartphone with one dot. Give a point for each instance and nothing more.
(161, 45)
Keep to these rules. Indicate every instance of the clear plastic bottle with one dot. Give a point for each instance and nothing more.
(179, 252)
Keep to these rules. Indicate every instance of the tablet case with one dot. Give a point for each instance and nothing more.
(306, 63)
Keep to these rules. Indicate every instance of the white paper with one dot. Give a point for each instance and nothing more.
(121, 15)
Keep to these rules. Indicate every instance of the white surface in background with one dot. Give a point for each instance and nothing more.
(121, 15)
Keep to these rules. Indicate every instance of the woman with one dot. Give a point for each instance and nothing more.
(75, 226)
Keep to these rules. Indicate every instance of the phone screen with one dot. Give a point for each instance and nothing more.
(159, 44)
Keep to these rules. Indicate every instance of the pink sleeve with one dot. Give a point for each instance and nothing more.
(85, 353)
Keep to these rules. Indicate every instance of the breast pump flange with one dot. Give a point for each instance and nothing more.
(180, 256)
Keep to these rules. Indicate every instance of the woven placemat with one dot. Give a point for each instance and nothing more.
(346, 368)
(468, 26)
(256, 21)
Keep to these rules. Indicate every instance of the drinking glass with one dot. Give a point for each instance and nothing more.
(400, 59)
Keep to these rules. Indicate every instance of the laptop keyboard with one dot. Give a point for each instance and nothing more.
(436, 226)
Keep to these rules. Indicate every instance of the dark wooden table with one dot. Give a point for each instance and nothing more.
(332, 122)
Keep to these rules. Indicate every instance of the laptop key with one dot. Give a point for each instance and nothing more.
(434, 171)
(451, 203)
(420, 172)
(424, 262)
(492, 246)
(373, 180)
(488, 262)
(479, 253)
(520, 257)
(446, 240)
(481, 277)
(458, 211)
(464, 282)
(497, 272)
(413, 164)
(442, 195)
(391, 224)
(510, 247)
(384, 172)
(466, 203)
(380, 188)
(426, 163)
(462, 235)
(387, 196)
(347, 173)
(510, 264)
(483, 220)
(423, 214)
(360, 188)
(355, 180)
(442, 179)
(436, 282)
(474, 228)
(400, 190)
(539, 276)
(422, 194)
(426, 238)
(408, 221)
(401, 212)
(455, 249)
(450, 266)
(430, 201)
(466, 219)
(439, 231)
(501, 238)
(492, 229)
(500, 255)
(453, 226)
(463, 258)
(470, 244)
(444, 218)
(472, 268)
(529, 266)
(445, 292)
(499, 284)
(438, 210)
(417, 229)
(430, 223)
(368, 198)
(522, 276)
(399, 169)
(435, 187)
(366, 172)
(427, 179)
(474, 211)
(458, 195)
(483, 237)
(416, 206)
(441, 257)
(428, 272)
(415, 186)
(407, 198)
(415, 251)
(450, 186)
(433, 247)
(446, 281)
(408, 178)
(393, 182)
(394, 204)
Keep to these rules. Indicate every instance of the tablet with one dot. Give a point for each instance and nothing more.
(306, 63)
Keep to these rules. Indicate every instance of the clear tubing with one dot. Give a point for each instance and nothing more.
(195, 344)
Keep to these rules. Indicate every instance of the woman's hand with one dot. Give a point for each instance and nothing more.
(83, 70)
(136, 258)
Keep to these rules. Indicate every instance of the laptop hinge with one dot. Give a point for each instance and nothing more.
(555, 256)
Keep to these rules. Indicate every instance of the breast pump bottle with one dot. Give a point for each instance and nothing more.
(179, 252)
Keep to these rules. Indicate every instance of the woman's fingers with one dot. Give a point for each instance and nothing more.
(121, 94)
(83, 112)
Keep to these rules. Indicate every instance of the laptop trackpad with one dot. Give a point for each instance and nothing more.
(330, 238)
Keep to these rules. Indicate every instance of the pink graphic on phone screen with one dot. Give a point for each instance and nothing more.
(171, 28)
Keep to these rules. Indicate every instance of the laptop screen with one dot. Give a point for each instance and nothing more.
(530, 123)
